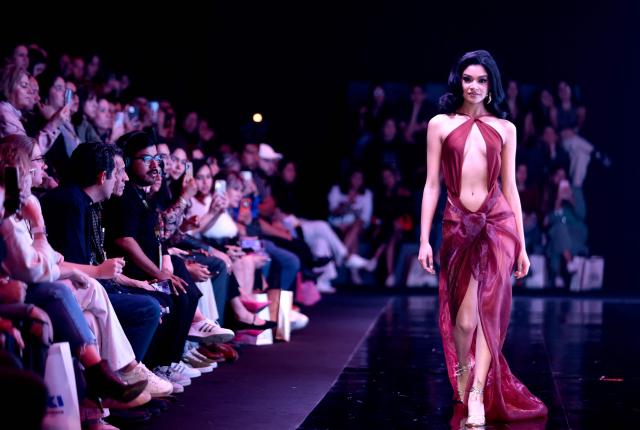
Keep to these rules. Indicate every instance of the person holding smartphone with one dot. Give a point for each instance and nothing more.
(16, 91)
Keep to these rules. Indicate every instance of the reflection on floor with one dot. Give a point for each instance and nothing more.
(580, 356)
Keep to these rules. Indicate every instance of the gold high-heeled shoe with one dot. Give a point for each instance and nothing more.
(476, 408)
(460, 370)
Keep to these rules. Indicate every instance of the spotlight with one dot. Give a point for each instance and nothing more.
(257, 117)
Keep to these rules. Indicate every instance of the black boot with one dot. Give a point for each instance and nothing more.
(102, 382)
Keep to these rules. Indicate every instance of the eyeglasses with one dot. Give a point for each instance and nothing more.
(37, 160)
(146, 159)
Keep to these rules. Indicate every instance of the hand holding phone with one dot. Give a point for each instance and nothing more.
(68, 97)
(188, 171)
(220, 187)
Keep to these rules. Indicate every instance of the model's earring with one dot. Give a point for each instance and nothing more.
(489, 99)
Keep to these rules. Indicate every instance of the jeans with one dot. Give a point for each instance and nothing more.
(139, 316)
(284, 267)
(67, 318)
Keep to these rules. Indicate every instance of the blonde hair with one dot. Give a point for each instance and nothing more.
(11, 74)
(15, 153)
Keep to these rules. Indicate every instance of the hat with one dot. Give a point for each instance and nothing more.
(266, 152)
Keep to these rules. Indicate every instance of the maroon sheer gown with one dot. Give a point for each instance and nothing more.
(483, 244)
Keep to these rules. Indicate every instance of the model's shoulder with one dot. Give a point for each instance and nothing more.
(438, 120)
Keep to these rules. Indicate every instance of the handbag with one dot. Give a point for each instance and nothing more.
(63, 411)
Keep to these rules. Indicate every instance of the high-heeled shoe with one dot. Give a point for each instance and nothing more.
(253, 306)
(476, 408)
(459, 371)
(239, 325)
(102, 382)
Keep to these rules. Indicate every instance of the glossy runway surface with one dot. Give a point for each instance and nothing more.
(580, 356)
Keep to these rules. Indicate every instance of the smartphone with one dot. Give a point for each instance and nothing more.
(68, 97)
(220, 187)
(132, 111)
(246, 175)
(11, 190)
(154, 106)
(188, 170)
(118, 119)
(250, 243)
(162, 286)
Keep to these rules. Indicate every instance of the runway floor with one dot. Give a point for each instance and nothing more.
(580, 356)
(375, 361)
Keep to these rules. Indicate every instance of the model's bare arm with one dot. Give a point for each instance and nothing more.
(510, 191)
(431, 191)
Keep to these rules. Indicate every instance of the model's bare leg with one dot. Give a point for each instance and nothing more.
(476, 396)
(466, 324)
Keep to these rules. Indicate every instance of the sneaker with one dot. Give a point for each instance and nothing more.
(167, 373)
(207, 331)
(177, 388)
(356, 262)
(189, 372)
(156, 386)
(371, 265)
(298, 320)
(195, 359)
(325, 287)
(207, 369)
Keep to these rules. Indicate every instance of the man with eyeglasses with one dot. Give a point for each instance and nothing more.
(132, 230)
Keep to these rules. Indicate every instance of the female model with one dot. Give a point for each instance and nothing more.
(482, 239)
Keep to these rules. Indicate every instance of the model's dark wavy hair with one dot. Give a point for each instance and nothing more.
(451, 101)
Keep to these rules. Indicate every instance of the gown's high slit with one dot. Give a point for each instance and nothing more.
(483, 244)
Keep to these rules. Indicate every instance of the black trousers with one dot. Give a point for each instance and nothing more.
(168, 342)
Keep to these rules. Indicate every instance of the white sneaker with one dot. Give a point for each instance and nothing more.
(177, 388)
(156, 386)
(325, 287)
(371, 265)
(189, 372)
(356, 262)
(298, 320)
(196, 360)
(167, 373)
(207, 369)
(207, 331)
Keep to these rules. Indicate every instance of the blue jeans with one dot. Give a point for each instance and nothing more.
(284, 267)
(58, 302)
(139, 316)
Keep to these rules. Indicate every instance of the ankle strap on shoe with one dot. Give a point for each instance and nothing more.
(461, 369)
(476, 389)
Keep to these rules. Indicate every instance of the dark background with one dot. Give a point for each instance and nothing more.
(293, 63)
